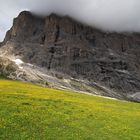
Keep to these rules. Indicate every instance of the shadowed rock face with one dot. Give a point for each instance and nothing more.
(63, 45)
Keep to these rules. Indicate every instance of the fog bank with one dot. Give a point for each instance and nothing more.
(111, 15)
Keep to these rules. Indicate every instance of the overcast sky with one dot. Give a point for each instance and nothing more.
(112, 15)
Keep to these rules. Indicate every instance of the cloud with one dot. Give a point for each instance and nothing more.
(111, 15)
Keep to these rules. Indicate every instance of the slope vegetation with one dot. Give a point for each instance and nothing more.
(30, 112)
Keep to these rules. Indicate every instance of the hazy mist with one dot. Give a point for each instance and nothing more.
(111, 15)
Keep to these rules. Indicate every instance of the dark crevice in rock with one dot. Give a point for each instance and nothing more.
(92, 42)
(43, 38)
(35, 32)
(57, 33)
(52, 51)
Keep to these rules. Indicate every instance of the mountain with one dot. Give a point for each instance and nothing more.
(67, 54)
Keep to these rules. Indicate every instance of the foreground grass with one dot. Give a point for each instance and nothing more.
(29, 112)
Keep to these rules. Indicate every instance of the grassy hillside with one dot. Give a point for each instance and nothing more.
(29, 112)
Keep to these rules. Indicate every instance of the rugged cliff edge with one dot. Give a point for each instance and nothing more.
(106, 61)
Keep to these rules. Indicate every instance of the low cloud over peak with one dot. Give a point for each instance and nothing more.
(111, 15)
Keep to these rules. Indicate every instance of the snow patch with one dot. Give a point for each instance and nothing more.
(18, 62)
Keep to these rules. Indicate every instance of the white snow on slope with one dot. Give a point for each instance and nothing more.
(18, 62)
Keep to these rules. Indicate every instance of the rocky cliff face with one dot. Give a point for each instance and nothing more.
(65, 46)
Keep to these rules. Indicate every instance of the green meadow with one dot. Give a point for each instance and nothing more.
(31, 112)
